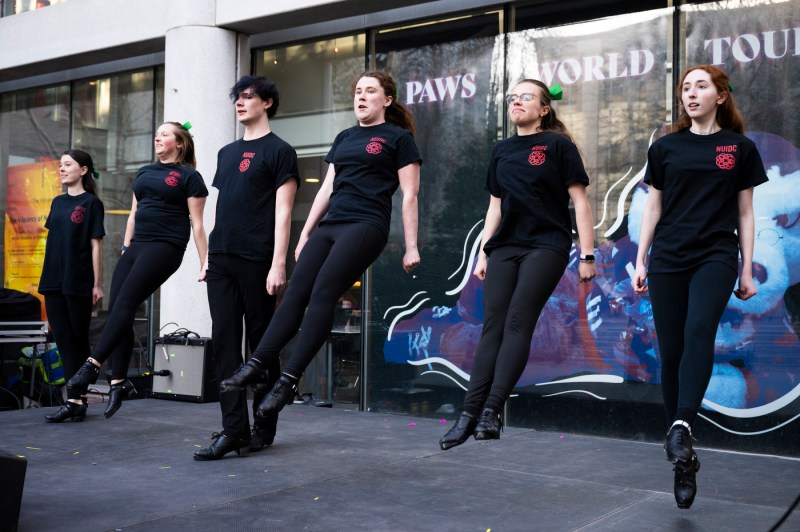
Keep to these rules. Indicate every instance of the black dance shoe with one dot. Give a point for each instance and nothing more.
(86, 375)
(250, 372)
(460, 432)
(73, 411)
(686, 482)
(679, 444)
(221, 446)
(116, 393)
(489, 425)
(263, 433)
(282, 394)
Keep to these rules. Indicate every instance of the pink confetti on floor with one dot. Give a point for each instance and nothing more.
(442, 421)
(412, 424)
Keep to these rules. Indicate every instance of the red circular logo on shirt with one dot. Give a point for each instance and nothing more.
(726, 161)
(536, 158)
(171, 181)
(77, 215)
(374, 148)
(244, 165)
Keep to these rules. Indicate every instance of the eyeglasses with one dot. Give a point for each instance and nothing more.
(524, 97)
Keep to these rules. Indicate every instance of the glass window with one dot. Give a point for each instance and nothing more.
(12, 7)
(450, 80)
(113, 119)
(34, 131)
(314, 80)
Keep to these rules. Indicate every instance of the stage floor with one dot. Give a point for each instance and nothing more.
(333, 469)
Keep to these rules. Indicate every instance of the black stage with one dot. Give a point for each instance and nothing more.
(333, 469)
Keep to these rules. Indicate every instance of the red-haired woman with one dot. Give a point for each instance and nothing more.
(699, 219)
(168, 200)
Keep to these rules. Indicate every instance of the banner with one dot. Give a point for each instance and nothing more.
(613, 73)
(30, 190)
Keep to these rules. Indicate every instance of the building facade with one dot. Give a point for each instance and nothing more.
(100, 75)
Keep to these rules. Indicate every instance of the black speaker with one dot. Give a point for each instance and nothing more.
(183, 369)
(12, 471)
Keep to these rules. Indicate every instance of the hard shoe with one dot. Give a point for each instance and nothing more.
(686, 482)
(263, 433)
(221, 446)
(116, 393)
(679, 444)
(489, 425)
(282, 394)
(73, 411)
(85, 376)
(460, 432)
(250, 372)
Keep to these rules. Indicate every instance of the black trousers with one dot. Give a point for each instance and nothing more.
(237, 290)
(69, 317)
(519, 281)
(140, 271)
(333, 259)
(687, 307)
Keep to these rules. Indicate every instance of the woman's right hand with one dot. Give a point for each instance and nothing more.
(300, 244)
(639, 280)
(480, 266)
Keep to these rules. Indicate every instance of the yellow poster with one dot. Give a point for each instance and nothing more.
(31, 189)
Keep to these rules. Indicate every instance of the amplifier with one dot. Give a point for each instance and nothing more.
(190, 362)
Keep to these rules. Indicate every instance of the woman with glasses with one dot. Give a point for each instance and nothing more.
(527, 237)
(699, 219)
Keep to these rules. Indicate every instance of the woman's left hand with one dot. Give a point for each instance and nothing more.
(97, 294)
(411, 260)
(747, 288)
(586, 271)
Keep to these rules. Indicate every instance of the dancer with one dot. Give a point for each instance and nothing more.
(699, 218)
(346, 230)
(527, 237)
(168, 200)
(72, 273)
(257, 179)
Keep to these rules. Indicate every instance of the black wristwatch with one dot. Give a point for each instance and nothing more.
(587, 258)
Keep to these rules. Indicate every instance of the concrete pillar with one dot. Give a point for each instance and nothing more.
(201, 65)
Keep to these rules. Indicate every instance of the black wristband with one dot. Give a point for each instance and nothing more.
(587, 258)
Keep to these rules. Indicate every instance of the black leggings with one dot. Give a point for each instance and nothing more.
(519, 281)
(332, 260)
(69, 317)
(687, 307)
(140, 271)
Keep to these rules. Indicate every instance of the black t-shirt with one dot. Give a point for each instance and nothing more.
(72, 223)
(249, 172)
(531, 175)
(162, 211)
(366, 160)
(700, 177)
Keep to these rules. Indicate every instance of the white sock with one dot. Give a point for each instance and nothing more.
(682, 422)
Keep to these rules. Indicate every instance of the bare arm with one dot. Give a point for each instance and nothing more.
(130, 226)
(583, 219)
(97, 268)
(409, 185)
(746, 230)
(490, 225)
(196, 206)
(650, 217)
(318, 210)
(284, 200)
